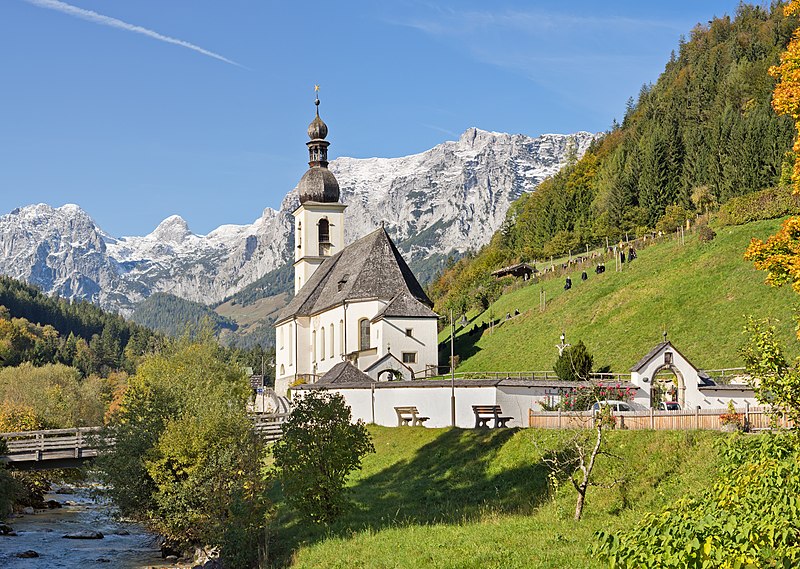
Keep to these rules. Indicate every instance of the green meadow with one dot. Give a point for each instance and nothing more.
(480, 498)
(700, 293)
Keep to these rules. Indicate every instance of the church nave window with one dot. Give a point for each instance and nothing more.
(363, 334)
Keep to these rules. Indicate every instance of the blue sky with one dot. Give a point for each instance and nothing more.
(136, 110)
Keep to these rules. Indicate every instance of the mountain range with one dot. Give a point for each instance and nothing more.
(447, 200)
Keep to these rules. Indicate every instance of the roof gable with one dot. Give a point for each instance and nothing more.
(344, 373)
(403, 305)
(642, 363)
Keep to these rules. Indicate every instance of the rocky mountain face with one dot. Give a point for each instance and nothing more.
(451, 198)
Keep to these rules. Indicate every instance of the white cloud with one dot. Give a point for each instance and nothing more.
(96, 18)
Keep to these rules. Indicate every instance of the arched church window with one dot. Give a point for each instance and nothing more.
(283, 370)
(322, 343)
(299, 234)
(363, 334)
(342, 349)
(313, 345)
(291, 343)
(333, 349)
(324, 231)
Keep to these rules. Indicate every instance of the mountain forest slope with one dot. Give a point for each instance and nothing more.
(702, 135)
(700, 293)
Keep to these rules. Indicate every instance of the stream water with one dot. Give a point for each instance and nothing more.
(124, 545)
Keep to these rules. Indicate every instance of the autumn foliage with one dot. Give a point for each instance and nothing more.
(786, 97)
(780, 254)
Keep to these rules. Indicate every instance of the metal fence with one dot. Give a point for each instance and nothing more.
(752, 419)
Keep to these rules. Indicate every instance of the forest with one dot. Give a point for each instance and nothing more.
(704, 134)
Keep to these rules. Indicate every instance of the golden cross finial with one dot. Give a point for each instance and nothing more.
(316, 88)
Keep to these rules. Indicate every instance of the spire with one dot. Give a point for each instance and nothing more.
(317, 131)
(318, 184)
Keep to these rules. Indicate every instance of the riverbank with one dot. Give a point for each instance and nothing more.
(124, 545)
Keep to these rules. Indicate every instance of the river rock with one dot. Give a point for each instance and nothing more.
(6, 529)
(28, 510)
(52, 504)
(121, 532)
(84, 535)
(103, 560)
(30, 554)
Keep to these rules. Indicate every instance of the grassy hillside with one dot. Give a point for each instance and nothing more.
(466, 498)
(701, 293)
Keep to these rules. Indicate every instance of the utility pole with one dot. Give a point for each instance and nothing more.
(452, 373)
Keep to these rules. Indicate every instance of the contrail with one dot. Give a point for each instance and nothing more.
(96, 18)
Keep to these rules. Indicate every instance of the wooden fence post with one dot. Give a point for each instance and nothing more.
(697, 417)
(559, 418)
(652, 420)
(746, 415)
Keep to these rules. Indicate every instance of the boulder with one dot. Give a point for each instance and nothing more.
(87, 534)
(6, 529)
(30, 554)
(28, 510)
(52, 504)
(121, 532)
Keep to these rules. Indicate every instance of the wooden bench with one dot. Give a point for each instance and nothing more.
(409, 416)
(485, 413)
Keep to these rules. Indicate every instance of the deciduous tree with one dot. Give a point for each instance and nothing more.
(319, 449)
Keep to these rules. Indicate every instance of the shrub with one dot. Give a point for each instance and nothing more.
(574, 363)
(185, 460)
(583, 397)
(705, 233)
(318, 450)
(674, 217)
(748, 518)
(766, 204)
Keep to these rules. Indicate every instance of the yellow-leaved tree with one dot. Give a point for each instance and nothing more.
(780, 254)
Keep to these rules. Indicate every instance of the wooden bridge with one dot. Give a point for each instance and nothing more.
(70, 448)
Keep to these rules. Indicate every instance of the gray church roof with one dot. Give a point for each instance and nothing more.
(341, 373)
(370, 268)
(403, 305)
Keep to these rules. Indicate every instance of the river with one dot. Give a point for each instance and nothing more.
(124, 545)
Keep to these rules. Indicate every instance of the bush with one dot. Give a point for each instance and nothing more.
(674, 217)
(318, 450)
(185, 460)
(705, 233)
(748, 518)
(574, 363)
(771, 203)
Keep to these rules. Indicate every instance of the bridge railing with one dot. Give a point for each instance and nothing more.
(57, 443)
(84, 442)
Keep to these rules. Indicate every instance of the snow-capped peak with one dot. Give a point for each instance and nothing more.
(452, 197)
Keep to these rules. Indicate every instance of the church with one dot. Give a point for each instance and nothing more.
(359, 304)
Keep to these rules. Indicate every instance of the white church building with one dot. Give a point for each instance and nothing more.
(360, 303)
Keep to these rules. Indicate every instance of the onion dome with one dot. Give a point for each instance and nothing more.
(318, 184)
(317, 129)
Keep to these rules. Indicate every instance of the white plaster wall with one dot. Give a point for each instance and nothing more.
(423, 340)
(518, 401)
(323, 321)
(307, 236)
(432, 402)
(355, 312)
(714, 399)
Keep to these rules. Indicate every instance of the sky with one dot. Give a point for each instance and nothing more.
(140, 109)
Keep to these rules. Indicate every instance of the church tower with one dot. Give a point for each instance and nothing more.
(319, 221)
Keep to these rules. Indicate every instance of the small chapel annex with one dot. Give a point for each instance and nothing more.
(359, 303)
